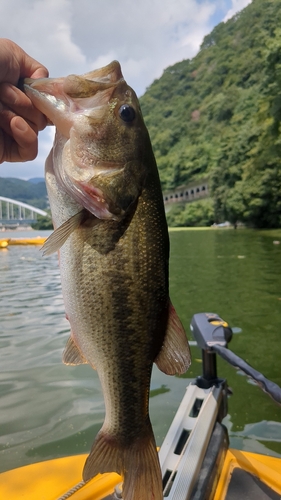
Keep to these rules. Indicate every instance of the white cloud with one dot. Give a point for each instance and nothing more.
(75, 37)
(43, 28)
(237, 6)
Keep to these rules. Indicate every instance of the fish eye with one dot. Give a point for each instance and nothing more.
(127, 113)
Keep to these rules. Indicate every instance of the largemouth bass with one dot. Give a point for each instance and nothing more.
(112, 237)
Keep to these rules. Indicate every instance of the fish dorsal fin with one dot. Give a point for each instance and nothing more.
(174, 357)
(62, 233)
(72, 355)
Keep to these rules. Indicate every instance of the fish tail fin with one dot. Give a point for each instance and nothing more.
(142, 476)
(138, 464)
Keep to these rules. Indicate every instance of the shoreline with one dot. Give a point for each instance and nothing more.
(16, 229)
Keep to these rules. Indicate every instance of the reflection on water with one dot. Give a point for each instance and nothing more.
(49, 410)
(208, 274)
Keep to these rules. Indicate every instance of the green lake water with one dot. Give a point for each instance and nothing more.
(50, 410)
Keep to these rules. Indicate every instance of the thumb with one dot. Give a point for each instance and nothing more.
(40, 72)
(31, 68)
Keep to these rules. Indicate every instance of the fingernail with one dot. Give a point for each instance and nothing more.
(20, 124)
(40, 73)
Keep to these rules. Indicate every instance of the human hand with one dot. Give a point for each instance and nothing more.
(20, 121)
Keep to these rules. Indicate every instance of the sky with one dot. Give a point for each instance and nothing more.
(77, 36)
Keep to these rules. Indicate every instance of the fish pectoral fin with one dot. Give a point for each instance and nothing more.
(62, 233)
(174, 357)
(137, 463)
(72, 355)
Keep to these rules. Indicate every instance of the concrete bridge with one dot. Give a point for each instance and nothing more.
(187, 193)
(14, 213)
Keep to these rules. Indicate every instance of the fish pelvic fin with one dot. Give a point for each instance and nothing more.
(72, 355)
(137, 463)
(174, 357)
(62, 233)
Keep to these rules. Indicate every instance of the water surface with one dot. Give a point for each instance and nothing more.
(49, 410)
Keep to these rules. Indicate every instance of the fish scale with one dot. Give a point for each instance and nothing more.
(113, 243)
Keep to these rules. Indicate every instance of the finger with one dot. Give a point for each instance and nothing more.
(25, 144)
(11, 151)
(16, 63)
(21, 105)
(6, 116)
(41, 72)
(31, 68)
(18, 139)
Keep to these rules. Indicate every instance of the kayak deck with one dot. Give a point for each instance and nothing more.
(195, 459)
(249, 475)
(52, 479)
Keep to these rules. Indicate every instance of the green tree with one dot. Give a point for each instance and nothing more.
(218, 116)
(198, 213)
(43, 222)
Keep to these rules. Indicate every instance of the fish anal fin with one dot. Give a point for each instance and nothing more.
(62, 233)
(72, 355)
(138, 465)
(174, 357)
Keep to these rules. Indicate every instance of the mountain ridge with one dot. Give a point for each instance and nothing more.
(34, 194)
(219, 115)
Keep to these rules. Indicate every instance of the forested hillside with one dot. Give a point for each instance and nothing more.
(219, 115)
(30, 192)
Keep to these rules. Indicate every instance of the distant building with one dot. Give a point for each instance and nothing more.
(189, 192)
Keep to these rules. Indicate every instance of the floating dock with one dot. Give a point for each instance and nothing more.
(5, 242)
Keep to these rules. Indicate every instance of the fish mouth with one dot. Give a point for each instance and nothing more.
(78, 107)
(61, 98)
(48, 96)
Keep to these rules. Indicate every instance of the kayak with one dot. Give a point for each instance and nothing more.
(52, 479)
(195, 458)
